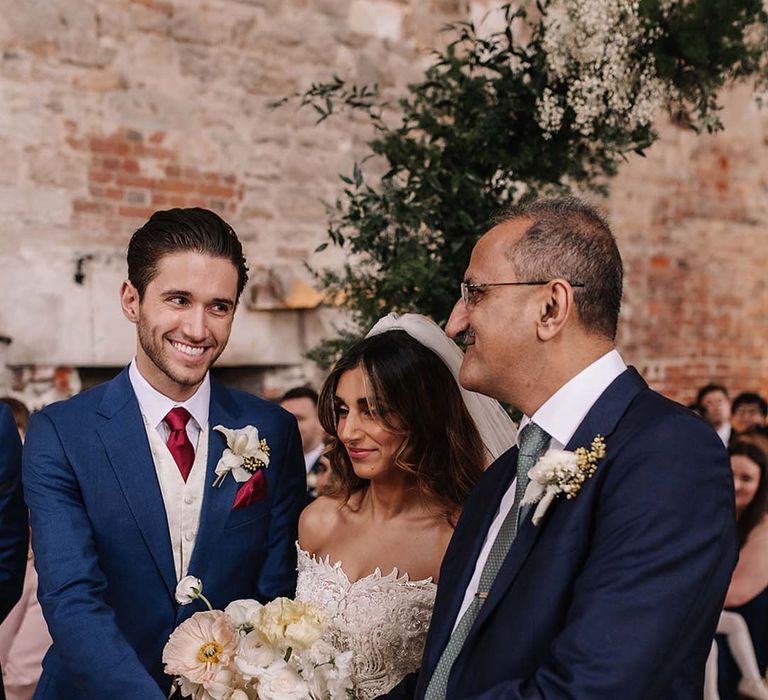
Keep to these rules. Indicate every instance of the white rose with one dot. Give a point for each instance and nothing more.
(281, 682)
(290, 623)
(253, 655)
(238, 694)
(339, 676)
(554, 460)
(244, 613)
(188, 589)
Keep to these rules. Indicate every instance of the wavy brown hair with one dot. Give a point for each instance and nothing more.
(414, 394)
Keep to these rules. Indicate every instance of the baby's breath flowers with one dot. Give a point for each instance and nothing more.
(597, 53)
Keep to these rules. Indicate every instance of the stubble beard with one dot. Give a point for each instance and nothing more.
(156, 355)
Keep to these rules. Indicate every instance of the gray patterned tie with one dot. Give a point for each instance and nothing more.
(533, 440)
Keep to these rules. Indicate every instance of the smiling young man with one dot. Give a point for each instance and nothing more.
(119, 480)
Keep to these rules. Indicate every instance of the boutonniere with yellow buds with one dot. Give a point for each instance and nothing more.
(561, 472)
(246, 457)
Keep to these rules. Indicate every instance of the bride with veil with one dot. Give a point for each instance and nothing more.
(408, 444)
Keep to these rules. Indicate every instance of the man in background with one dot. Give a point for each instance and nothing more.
(302, 403)
(715, 405)
(749, 409)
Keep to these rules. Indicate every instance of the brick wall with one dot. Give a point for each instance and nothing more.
(113, 109)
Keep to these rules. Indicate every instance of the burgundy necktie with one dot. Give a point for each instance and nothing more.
(178, 441)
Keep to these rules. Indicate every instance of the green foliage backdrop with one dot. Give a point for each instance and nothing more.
(495, 119)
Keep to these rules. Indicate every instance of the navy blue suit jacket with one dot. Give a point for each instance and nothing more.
(101, 542)
(615, 595)
(14, 529)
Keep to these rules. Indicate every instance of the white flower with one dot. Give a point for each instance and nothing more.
(339, 676)
(238, 694)
(201, 649)
(188, 589)
(244, 455)
(596, 54)
(560, 472)
(244, 613)
(254, 655)
(280, 682)
(287, 623)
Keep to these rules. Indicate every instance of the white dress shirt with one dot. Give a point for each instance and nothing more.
(312, 456)
(560, 416)
(724, 433)
(183, 500)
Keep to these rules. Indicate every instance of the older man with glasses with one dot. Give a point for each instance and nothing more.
(591, 561)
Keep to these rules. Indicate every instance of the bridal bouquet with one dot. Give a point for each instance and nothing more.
(252, 651)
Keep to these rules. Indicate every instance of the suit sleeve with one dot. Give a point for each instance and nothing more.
(649, 595)
(14, 531)
(72, 586)
(278, 574)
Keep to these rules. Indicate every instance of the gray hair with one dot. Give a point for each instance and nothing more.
(569, 239)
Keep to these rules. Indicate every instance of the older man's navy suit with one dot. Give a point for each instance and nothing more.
(615, 595)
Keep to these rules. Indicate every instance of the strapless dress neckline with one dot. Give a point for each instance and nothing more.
(382, 618)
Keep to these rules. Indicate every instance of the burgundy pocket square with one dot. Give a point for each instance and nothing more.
(252, 491)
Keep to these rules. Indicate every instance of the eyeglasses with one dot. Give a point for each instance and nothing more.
(471, 292)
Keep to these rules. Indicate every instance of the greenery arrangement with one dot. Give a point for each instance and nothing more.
(497, 118)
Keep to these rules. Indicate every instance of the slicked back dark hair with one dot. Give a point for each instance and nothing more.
(569, 239)
(179, 230)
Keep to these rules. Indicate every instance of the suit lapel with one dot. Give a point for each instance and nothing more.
(465, 547)
(125, 441)
(217, 502)
(601, 419)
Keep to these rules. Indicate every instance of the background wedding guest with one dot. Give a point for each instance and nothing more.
(716, 409)
(24, 636)
(326, 479)
(301, 401)
(20, 414)
(748, 409)
(748, 592)
(14, 535)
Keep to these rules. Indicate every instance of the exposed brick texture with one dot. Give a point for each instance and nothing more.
(111, 110)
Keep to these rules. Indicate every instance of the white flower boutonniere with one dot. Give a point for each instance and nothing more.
(561, 472)
(244, 456)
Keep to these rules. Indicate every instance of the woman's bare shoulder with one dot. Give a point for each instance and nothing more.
(318, 520)
(758, 537)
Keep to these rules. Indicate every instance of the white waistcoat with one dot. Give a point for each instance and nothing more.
(183, 501)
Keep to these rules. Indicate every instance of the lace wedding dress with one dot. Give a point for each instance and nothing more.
(383, 619)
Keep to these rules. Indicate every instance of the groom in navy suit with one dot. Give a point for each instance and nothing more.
(120, 479)
(614, 593)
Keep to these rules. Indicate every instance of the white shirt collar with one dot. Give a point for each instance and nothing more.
(155, 406)
(562, 413)
(312, 456)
